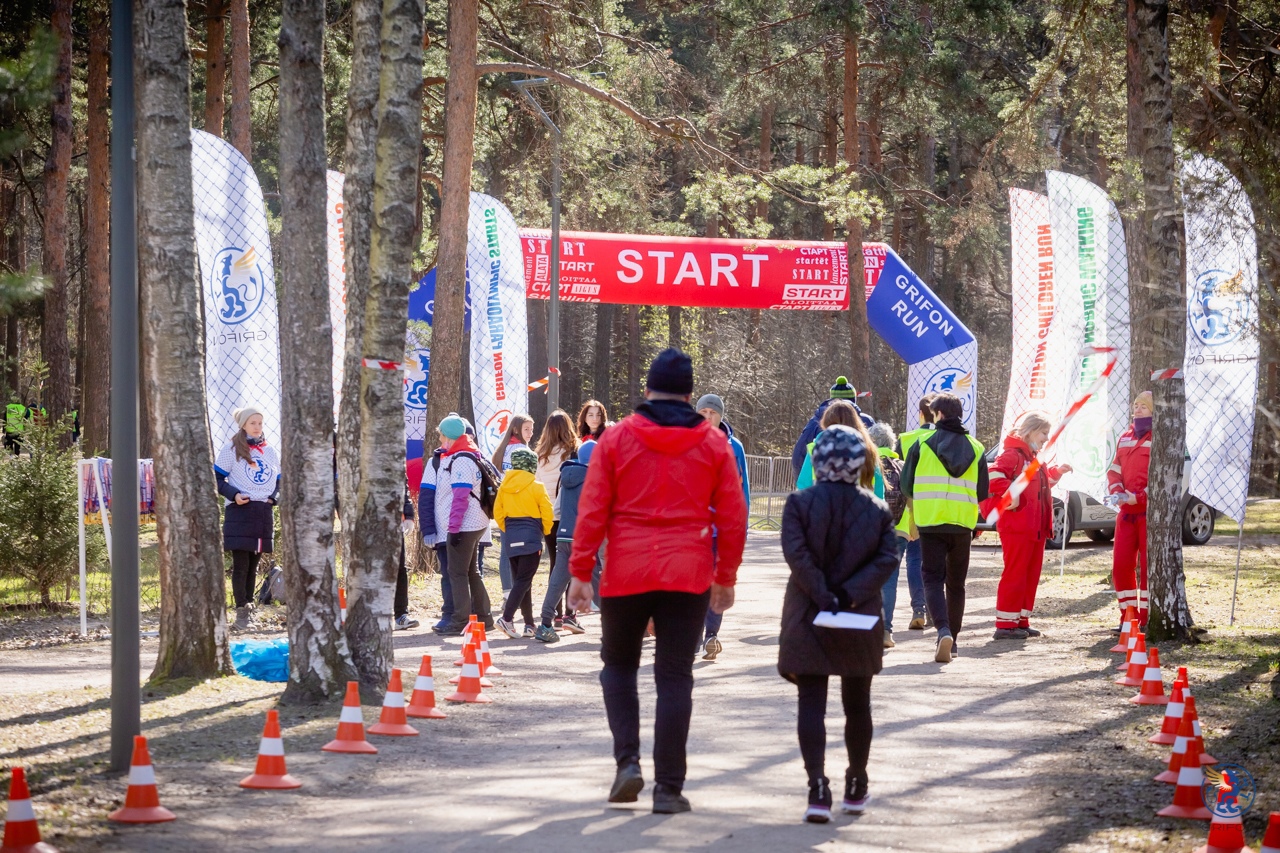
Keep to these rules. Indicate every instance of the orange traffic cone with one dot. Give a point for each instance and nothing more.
(423, 701)
(1152, 692)
(1188, 731)
(1226, 835)
(1172, 717)
(486, 660)
(142, 799)
(1137, 665)
(469, 686)
(21, 833)
(342, 606)
(467, 633)
(270, 773)
(1126, 630)
(1189, 710)
(392, 720)
(1187, 800)
(1134, 634)
(473, 642)
(1271, 841)
(350, 726)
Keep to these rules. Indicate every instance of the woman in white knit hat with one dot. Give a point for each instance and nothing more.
(247, 471)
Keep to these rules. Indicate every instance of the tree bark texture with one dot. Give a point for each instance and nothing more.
(859, 334)
(96, 385)
(764, 160)
(357, 218)
(241, 111)
(1160, 264)
(1140, 353)
(635, 383)
(54, 346)
(379, 496)
(601, 366)
(215, 65)
(193, 628)
(319, 659)
(448, 355)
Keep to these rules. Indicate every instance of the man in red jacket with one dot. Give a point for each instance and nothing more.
(657, 482)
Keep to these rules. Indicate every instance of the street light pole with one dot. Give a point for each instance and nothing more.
(553, 317)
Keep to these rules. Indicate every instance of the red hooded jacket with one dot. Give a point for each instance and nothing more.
(653, 491)
(1128, 471)
(1034, 512)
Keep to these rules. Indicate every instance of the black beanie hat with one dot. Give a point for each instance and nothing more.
(671, 373)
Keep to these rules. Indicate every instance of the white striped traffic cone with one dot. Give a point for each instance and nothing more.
(392, 720)
(142, 799)
(21, 832)
(270, 774)
(423, 701)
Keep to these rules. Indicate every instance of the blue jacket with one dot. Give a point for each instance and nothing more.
(572, 475)
(811, 430)
(740, 456)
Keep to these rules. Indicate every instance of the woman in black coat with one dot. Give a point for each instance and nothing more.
(838, 540)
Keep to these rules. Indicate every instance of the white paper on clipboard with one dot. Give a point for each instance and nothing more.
(854, 621)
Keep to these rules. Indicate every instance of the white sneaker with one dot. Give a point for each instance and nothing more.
(711, 648)
(507, 627)
(888, 640)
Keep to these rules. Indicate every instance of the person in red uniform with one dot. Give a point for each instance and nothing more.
(657, 482)
(1127, 478)
(1024, 527)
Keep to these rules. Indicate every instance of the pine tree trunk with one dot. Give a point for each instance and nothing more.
(1141, 356)
(357, 219)
(379, 495)
(1164, 326)
(675, 330)
(95, 389)
(319, 660)
(215, 65)
(764, 159)
(859, 334)
(54, 347)
(449, 356)
(241, 115)
(601, 371)
(193, 628)
(635, 390)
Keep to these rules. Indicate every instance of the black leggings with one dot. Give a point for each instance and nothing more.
(811, 726)
(523, 568)
(244, 573)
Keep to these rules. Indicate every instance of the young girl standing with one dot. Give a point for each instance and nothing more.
(839, 542)
(556, 444)
(247, 471)
(518, 435)
(522, 511)
(592, 420)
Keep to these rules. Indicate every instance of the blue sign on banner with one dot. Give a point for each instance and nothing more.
(422, 300)
(909, 317)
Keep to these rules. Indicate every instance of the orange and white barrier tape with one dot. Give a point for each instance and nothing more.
(379, 364)
(1171, 373)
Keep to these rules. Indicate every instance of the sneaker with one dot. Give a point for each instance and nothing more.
(711, 648)
(928, 620)
(917, 621)
(955, 648)
(557, 623)
(819, 810)
(404, 622)
(570, 624)
(667, 800)
(888, 640)
(627, 784)
(508, 628)
(854, 804)
(1032, 632)
(942, 651)
(528, 632)
(1011, 634)
(546, 634)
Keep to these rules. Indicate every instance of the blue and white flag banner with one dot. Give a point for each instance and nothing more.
(242, 321)
(499, 320)
(1091, 270)
(1221, 364)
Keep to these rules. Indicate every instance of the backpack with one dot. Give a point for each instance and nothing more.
(272, 588)
(893, 496)
(489, 480)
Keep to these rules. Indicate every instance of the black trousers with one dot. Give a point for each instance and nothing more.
(244, 576)
(811, 726)
(523, 568)
(402, 585)
(465, 584)
(945, 569)
(677, 626)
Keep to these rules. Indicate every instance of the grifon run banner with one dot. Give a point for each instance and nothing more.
(1040, 364)
(767, 274)
(499, 320)
(1091, 310)
(337, 281)
(1221, 363)
(242, 323)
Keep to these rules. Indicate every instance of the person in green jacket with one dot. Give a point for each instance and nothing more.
(15, 421)
(839, 412)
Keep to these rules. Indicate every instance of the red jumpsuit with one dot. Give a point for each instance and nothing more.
(1023, 531)
(1128, 473)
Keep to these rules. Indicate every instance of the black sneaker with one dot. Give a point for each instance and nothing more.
(819, 810)
(1032, 632)
(627, 784)
(1011, 634)
(855, 796)
(667, 800)
(570, 624)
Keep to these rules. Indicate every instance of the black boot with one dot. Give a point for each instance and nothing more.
(819, 810)
(627, 784)
(668, 800)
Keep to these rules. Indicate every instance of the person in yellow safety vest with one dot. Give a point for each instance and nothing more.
(944, 477)
(915, 580)
(15, 421)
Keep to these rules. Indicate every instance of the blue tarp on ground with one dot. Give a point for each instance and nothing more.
(261, 660)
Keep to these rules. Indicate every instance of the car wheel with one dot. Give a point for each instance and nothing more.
(1197, 522)
(1102, 537)
(1060, 518)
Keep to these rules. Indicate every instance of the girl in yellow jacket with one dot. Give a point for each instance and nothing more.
(524, 515)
